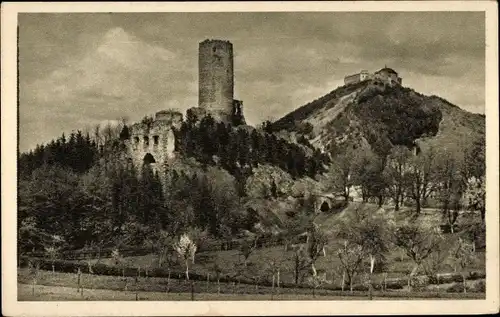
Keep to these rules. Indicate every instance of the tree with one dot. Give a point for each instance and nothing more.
(451, 183)
(315, 245)
(463, 255)
(52, 253)
(395, 174)
(300, 261)
(186, 249)
(162, 243)
(342, 170)
(367, 230)
(421, 177)
(474, 231)
(418, 242)
(368, 174)
(247, 248)
(351, 257)
(475, 195)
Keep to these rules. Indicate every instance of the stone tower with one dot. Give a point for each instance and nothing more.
(216, 83)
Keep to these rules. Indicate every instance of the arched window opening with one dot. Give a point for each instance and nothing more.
(156, 140)
(146, 141)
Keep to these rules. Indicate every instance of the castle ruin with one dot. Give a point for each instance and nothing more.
(153, 142)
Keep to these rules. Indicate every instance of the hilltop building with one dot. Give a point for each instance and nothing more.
(387, 75)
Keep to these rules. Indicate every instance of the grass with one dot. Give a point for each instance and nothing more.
(258, 268)
(398, 264)
(57, 293)
(63, 286)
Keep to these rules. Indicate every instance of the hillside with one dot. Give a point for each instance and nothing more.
(382, 116)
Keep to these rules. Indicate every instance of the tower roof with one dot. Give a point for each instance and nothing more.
(387, 69)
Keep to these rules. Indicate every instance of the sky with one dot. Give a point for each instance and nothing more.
(77, 70)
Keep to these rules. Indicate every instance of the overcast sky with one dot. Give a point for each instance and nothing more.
(77, 70)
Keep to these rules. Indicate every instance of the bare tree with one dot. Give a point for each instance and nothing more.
(395, 173)
(463, 256)
(162, 244)
(315, 245)
(451, 183)
(421, 177)
(342, 170)
(418, 241)
(247, 248)
(363, 228)
(300, 261)
(351, 258)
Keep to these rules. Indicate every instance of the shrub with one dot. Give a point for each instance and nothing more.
(479, 287)
(455, 288)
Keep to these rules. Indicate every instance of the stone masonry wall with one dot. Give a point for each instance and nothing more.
(216, 78)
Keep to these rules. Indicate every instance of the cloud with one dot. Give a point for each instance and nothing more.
(121, 74)
(81, 69)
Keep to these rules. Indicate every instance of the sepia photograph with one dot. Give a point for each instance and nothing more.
(184, 155)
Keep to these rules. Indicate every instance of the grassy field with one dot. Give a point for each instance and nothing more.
(52, 285)
(63, 286)
(58, 293)
(398, 264)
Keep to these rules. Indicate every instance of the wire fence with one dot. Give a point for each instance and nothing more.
(206, 246)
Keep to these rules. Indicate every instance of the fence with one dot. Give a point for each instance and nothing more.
(133, 272)
(127, 251)
(139, 287)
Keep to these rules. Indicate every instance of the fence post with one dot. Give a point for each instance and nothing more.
(192, 290)
(278, 282)
(437, 278)
(272, 289)
(208, 281)
(385, 281)
(343, 280)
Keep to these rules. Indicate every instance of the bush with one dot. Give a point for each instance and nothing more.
(456, 288)
(479, 287)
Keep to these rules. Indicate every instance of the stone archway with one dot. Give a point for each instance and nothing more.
(148, 159)
(325, 206)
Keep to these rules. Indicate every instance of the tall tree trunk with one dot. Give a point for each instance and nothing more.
(398, 195)
(187, 270)
(417, 201)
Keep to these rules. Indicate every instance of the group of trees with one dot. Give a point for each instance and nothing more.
(235, 149)
(115, 204)
(453, 176)
(368, 237)
(77, 152)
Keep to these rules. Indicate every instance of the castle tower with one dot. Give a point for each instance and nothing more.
(216, 86)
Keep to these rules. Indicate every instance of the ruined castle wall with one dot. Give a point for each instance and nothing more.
(216, 78)
(157, 139)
